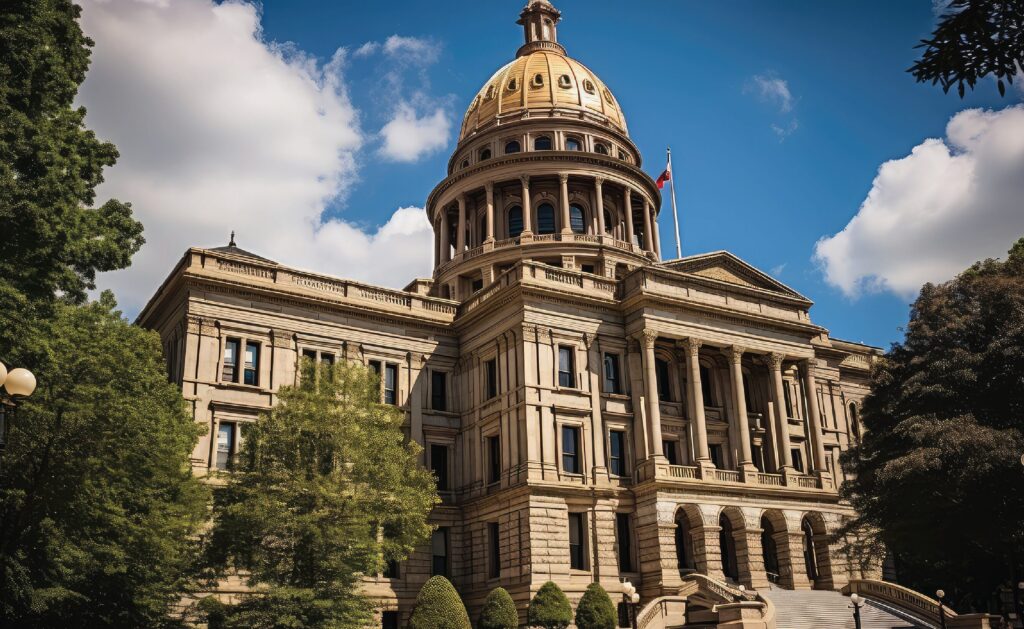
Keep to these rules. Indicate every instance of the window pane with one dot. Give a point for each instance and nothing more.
(494, 455)
(572, 144)
(515, 222)
(439, 465)
(617, 447)
(438, 391)
(566, 368)
(225, 445)
(570, 449)
(252, 363)
(390, 382)
(661, 375)
(543, 143)
(611, 373)
(494, 535)
(670, 451)
(705, 386)
(545, 219)
(439, 550)
(576, 219)
(576, 541)
(512, 147)
(625, 542)
(230, 371)
(491, 374)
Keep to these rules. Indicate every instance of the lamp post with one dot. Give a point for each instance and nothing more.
(14, 386)
(939, 594)
(630, 599)
(856, 605)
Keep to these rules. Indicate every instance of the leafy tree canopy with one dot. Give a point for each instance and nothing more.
(98, 508)
(974, 39)
(326, 490)
(939, 479)
(55, 241)
(438, 606)
(550, 608)
(499, 611)
(595, 610)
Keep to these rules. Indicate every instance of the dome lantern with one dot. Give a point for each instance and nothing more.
(539, 20)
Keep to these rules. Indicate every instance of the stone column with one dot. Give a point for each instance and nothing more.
(781, 419)
(814, 419)
(750, 555)
(707, 551)
(695, 396)
(647, 339)
(740, 405)
(460, 238)
(527, 212)
(656, 233)
(648, 232)
(489, 188)
(437, 244)
(599, 204)
(629, 215)
(446, 253)
(563, 180)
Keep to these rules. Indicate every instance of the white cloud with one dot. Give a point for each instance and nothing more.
(366, 49)
(409, 136)
(220, 130)
(774, 90)
(412, 49)
(931, 214)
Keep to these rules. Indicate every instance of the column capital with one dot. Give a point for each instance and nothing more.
(525, 180)
(599, 181)
(489, 187)
(462, 200)
(563, 177)
(647, 338)
(775, 360)
(690, 345)
(735, 353)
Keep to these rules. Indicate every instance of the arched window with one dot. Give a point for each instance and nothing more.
(608, 227)
(588, 86)
(485, 154)
(515, 221)
(810, 558)
(512, 147)
(769, 550)
(576, 219)
(543, 143)
(465, 163)
(538, 80)
(601, 148)
(545, 219)
(513, 84)
(564, 81)
(727, 545)
(623, 156)
(684, 544)
(572, 144)
(854, 420)
(662, 378)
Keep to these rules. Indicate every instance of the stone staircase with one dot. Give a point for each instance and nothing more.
(820, 609)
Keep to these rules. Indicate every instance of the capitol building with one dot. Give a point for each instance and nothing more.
(593, 411)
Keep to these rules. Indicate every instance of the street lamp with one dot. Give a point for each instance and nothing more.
(630, 598)
(939, 594)
(856, 605)
(14, 385)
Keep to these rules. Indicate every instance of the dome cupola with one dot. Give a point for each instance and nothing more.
(539, 20)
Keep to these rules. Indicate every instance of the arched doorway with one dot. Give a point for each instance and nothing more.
(684, 544)
(769, 549)
(810, 553)
(727, 545)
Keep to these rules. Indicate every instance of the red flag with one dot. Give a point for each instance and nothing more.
(665, 176)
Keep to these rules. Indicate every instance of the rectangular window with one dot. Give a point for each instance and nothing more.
(310, 354)
(570, 450)
(705, 386)
(391, 569)
(612, 380)
(566, 367)
(625, 540)
(389, 620)
(439, 390)
(252, 363)
(798, 460)
(225, 445)
(326, 359)
(828, 461)
(494, 547)
(439, 465)
(478, 285)
(494, 459)
(661, 376)
(391, 383)
(671, 451)
(230, 371)
(757, 453)
(576, 536)
(374, 366)
(491, 378)
(717, 456)
(617, 452)
(787, 397)
(439, 552)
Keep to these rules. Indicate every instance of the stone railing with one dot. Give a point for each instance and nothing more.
(903, 598)
(728, 476)
(773, 480)
(592, 239)
(662, 612)
(682, 471)
(808, 482)
(735, 607)
(714, 589)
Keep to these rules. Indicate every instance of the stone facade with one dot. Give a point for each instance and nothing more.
(594, 413)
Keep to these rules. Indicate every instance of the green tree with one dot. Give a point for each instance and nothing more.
(938, 478)
(98, 507)
(438, 606)
(595, 610)
(499, 611)
(327, 489)
(550, 608)
(974, 39)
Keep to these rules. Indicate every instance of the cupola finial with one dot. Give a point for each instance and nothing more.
(539, 20)
(232, 242)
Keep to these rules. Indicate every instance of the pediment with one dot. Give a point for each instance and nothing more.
(725, 267)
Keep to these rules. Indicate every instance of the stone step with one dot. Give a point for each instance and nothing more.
(819, 609)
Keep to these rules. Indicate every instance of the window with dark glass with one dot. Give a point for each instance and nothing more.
(485, 154)
(494, 550)
(661, 375)
(494, 459)
(230, 371)
(717, 455)
(612, 381)
(391, 383)
(617, 452)
(477, 285)
(705, 386)
(543, 143)
(515, 222)
(572, 144)
(310, 354)
(252, 363)
(798, 459)
(587, 268)
(438, 390)
(786, 395)
(670, 449)
(491, 378)
(576, 221)
(374, 366)
(571, 449)
(225, 445)
(389, 620)
(624, 619)
(512, 147)
(747, 397)
(601, 148)
(545, 219)
(439, 465)
(576, 538)
(608, 226)
(439, 552)
(391, 569)
(566, 367)
(625, 540)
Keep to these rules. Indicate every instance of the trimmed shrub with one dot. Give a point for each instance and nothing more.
(499, 611)
(438, 606)
(595, 610)
(549, 608)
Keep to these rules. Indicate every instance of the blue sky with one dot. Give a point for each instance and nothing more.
(779, 115)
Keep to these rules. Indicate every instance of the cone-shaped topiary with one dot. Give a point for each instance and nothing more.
(438, 606)
(549, 608)
(499, 611)
(595, 610)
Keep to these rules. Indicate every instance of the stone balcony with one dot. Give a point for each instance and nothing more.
(675, 475)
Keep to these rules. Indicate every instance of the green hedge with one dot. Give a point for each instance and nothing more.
(595, 610)
(438, 606)
(499, 611)
(549, 608)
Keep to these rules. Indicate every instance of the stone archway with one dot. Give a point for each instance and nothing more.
(770, 550)
(686, 524)
(815, 545)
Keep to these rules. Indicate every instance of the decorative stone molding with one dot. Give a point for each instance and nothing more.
(648, 338)
(282, 339)
(691, 346)
(775, 360)
(735, 354)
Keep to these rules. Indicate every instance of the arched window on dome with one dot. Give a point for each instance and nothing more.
(588, 86)
(545, 219)
(485, 154)
(573, 144)
(543, 143)
(513, 84)
(601, 148)
(465, 164)
(564, 81)
(538, 80)
(512, 147)
(623, 156)
(576, 220)
(608, 225)
(515, 221)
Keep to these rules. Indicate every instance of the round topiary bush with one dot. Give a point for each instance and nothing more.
(438, 606)
(499, 611)
(549, 608)
(595, 610)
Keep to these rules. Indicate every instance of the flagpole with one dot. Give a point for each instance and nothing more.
(675, 211)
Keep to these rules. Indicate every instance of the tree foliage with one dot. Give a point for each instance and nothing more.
(939, 479)
(438, 606)
(595, 610)
(50, 164)
(550, 608)
(499, 611)
(98, 508)
(326, 490)
(974, 39)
